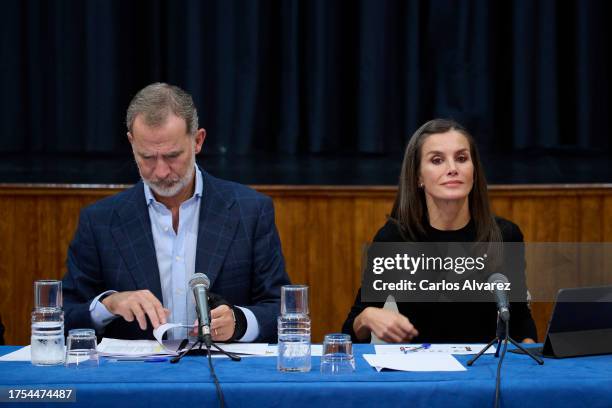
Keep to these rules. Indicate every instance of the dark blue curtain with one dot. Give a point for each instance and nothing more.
(288, 76)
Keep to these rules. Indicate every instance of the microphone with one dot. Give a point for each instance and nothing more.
(199, 284)
(501, 297)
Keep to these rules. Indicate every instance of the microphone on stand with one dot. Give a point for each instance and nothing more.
(501, 297)
(199, 284)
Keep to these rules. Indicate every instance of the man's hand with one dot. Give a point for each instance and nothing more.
(386, 325)
(137, 304)
(222, 324)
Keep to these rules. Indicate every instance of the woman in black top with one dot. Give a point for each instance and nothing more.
(442, 197)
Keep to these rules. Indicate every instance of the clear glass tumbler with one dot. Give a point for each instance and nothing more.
(337, 356)
(81, 348)
(48, 294)
(294, 300)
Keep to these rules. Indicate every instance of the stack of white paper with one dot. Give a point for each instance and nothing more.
(133, 348)
(414, 362)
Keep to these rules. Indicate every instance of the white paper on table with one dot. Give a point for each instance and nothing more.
(457, 349)
(414, 362)
(252, 349)
(132, 348)
(23, 354)
(316, 350)
(159, 332)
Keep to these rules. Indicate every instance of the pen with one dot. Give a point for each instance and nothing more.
(423, 346)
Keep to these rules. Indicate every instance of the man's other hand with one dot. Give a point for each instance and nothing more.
(222, 323)
(137, 305)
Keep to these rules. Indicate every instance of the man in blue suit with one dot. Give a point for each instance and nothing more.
(133, 254)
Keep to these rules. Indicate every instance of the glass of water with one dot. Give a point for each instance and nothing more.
(81, 348)
(337, 356)
(47, 341)
(294, 343)
(48, 294)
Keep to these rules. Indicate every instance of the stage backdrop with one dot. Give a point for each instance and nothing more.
(316, 76)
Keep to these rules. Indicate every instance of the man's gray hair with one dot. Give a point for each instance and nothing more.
(156, 101)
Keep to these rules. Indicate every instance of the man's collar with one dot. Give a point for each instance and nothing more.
(197, 191)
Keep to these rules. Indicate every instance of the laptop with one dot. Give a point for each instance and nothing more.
(580, 324)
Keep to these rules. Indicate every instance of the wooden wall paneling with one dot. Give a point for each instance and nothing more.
(590, 211)
(322, 230)
(607, 218)
(502, 206)
(292, 224)
(568, 219)
(592, 261)
(47, 219)
(607, 232)
(343, 266)
(317, 272)
(522, 215)
(8, 266)
(27, 245)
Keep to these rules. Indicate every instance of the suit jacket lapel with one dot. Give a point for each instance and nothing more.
(131, 231)
(218, 222)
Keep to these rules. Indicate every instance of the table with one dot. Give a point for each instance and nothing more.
(254, 382)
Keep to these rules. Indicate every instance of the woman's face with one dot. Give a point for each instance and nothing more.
(446, 171)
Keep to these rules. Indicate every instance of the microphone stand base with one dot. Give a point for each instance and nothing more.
(501, 336)
(203, 350)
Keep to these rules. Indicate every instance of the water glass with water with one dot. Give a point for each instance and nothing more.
(337, 356)
(47, 341)
(294, 329)
(48, 294)
(294, 343)
(81, 349)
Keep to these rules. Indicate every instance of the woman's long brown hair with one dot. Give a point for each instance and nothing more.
(410, 209)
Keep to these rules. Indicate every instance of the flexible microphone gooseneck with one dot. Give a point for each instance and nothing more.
(501, 296)
(199, 284)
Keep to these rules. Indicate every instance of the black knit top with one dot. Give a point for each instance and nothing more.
(452, 322)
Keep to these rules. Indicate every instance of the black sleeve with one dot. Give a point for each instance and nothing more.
(356, 309)
(388, 233)
(522, 325)
(240, 327)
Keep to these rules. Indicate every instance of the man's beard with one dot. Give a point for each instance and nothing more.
(171, 187)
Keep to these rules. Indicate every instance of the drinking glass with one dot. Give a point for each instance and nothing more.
(48, 294)
(337, 356)
(293, 343)
(294, 300)
(81, 348)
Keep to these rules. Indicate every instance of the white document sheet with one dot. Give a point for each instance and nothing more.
(132, 348)
(457, 349)
(23, 354)
(414, 362)
(144, 348)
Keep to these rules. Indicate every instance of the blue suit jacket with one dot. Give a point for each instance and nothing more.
(238, 248)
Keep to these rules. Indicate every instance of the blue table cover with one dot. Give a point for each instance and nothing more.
(255, 382)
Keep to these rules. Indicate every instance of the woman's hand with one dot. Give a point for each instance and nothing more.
(388, 326)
